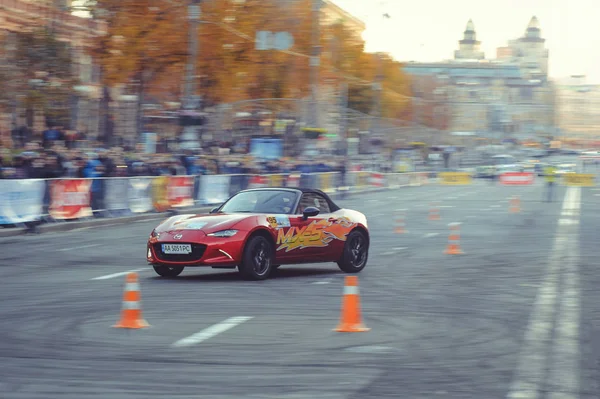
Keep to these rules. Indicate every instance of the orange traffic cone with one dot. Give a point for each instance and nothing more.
(350, 320)
(400, 225)
(515, 204)
(454, 240)
(434, 211)
(131, 313)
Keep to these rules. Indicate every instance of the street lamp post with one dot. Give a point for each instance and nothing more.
(189, 134)
(315, 62)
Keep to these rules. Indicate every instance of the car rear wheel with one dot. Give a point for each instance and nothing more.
(356, 253)
(168, 271)
(257, 260)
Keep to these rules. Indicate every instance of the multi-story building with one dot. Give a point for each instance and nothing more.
(578, 108)
(511, 94)
(332, 14)
(21, 15)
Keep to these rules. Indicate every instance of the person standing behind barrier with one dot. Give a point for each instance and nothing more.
(341, 181)
(93, 170)
(550, 176)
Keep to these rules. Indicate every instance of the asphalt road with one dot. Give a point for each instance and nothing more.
(519, 312)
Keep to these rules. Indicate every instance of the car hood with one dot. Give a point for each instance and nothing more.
(204, 223)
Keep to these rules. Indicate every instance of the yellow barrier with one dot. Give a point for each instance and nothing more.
(579, 179)
(325, 182)
(160, 199)
(275, 180)
(455, 178)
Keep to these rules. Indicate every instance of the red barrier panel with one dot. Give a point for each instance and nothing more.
(70, 199)
(377, 180)
(517, 178)
(180, 191)
(258, 181)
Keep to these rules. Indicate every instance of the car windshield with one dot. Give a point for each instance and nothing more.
(261, 201)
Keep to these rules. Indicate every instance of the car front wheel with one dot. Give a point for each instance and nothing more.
(257, 260)
(356, 253)
(168, 271)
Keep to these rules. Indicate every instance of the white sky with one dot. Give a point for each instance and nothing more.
(429, 30)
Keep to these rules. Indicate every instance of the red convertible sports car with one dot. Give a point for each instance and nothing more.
(260, 229)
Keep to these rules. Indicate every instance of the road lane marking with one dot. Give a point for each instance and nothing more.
(79, 247)
(531, 369)
(109, 276)
(212, 331)
(564, 366)
(429, 235)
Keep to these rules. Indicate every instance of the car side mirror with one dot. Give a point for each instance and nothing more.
(214, 210)
(310, 212)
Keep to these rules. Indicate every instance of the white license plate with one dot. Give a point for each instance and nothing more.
(177, 248)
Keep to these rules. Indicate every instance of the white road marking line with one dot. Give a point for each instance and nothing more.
(212, 331)
(470, 216)
(530, 373)
(564, 367)
(429, 235)
(568, 221)
(400, 248)
(446, 206)
(109, 276)
(79, 247)
(321, 282)
(495, 206)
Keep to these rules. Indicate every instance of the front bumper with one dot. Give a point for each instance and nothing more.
(212, 251)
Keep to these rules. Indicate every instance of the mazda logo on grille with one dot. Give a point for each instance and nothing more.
(177, 236)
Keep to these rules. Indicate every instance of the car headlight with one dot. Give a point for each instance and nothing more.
(223, 233)
(154, 234)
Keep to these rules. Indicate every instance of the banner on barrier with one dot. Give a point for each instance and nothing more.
(70, 199)
(180, 191)
(326, 182)
(258, 181)
(455, 178)
(214, 189)
(378, 180)
(21, 201)
(362, 179)
(160, 199)
(140, 194)
(276, 180)
(115, 193)
(517, 178)
(579, 179)
(293, 180)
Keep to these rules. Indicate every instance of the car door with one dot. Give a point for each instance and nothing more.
(303, 241)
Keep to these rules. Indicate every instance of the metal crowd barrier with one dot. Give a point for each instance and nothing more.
(65, 199)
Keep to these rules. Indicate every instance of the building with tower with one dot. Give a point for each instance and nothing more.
(469, 46)
(509, 96)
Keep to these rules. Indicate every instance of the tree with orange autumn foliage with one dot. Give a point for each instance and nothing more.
(147, 43)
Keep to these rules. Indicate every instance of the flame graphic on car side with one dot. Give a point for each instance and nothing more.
(318, 234)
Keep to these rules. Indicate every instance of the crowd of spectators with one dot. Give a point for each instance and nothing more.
(54, 157)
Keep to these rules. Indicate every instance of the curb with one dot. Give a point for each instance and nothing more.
(69, 226)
